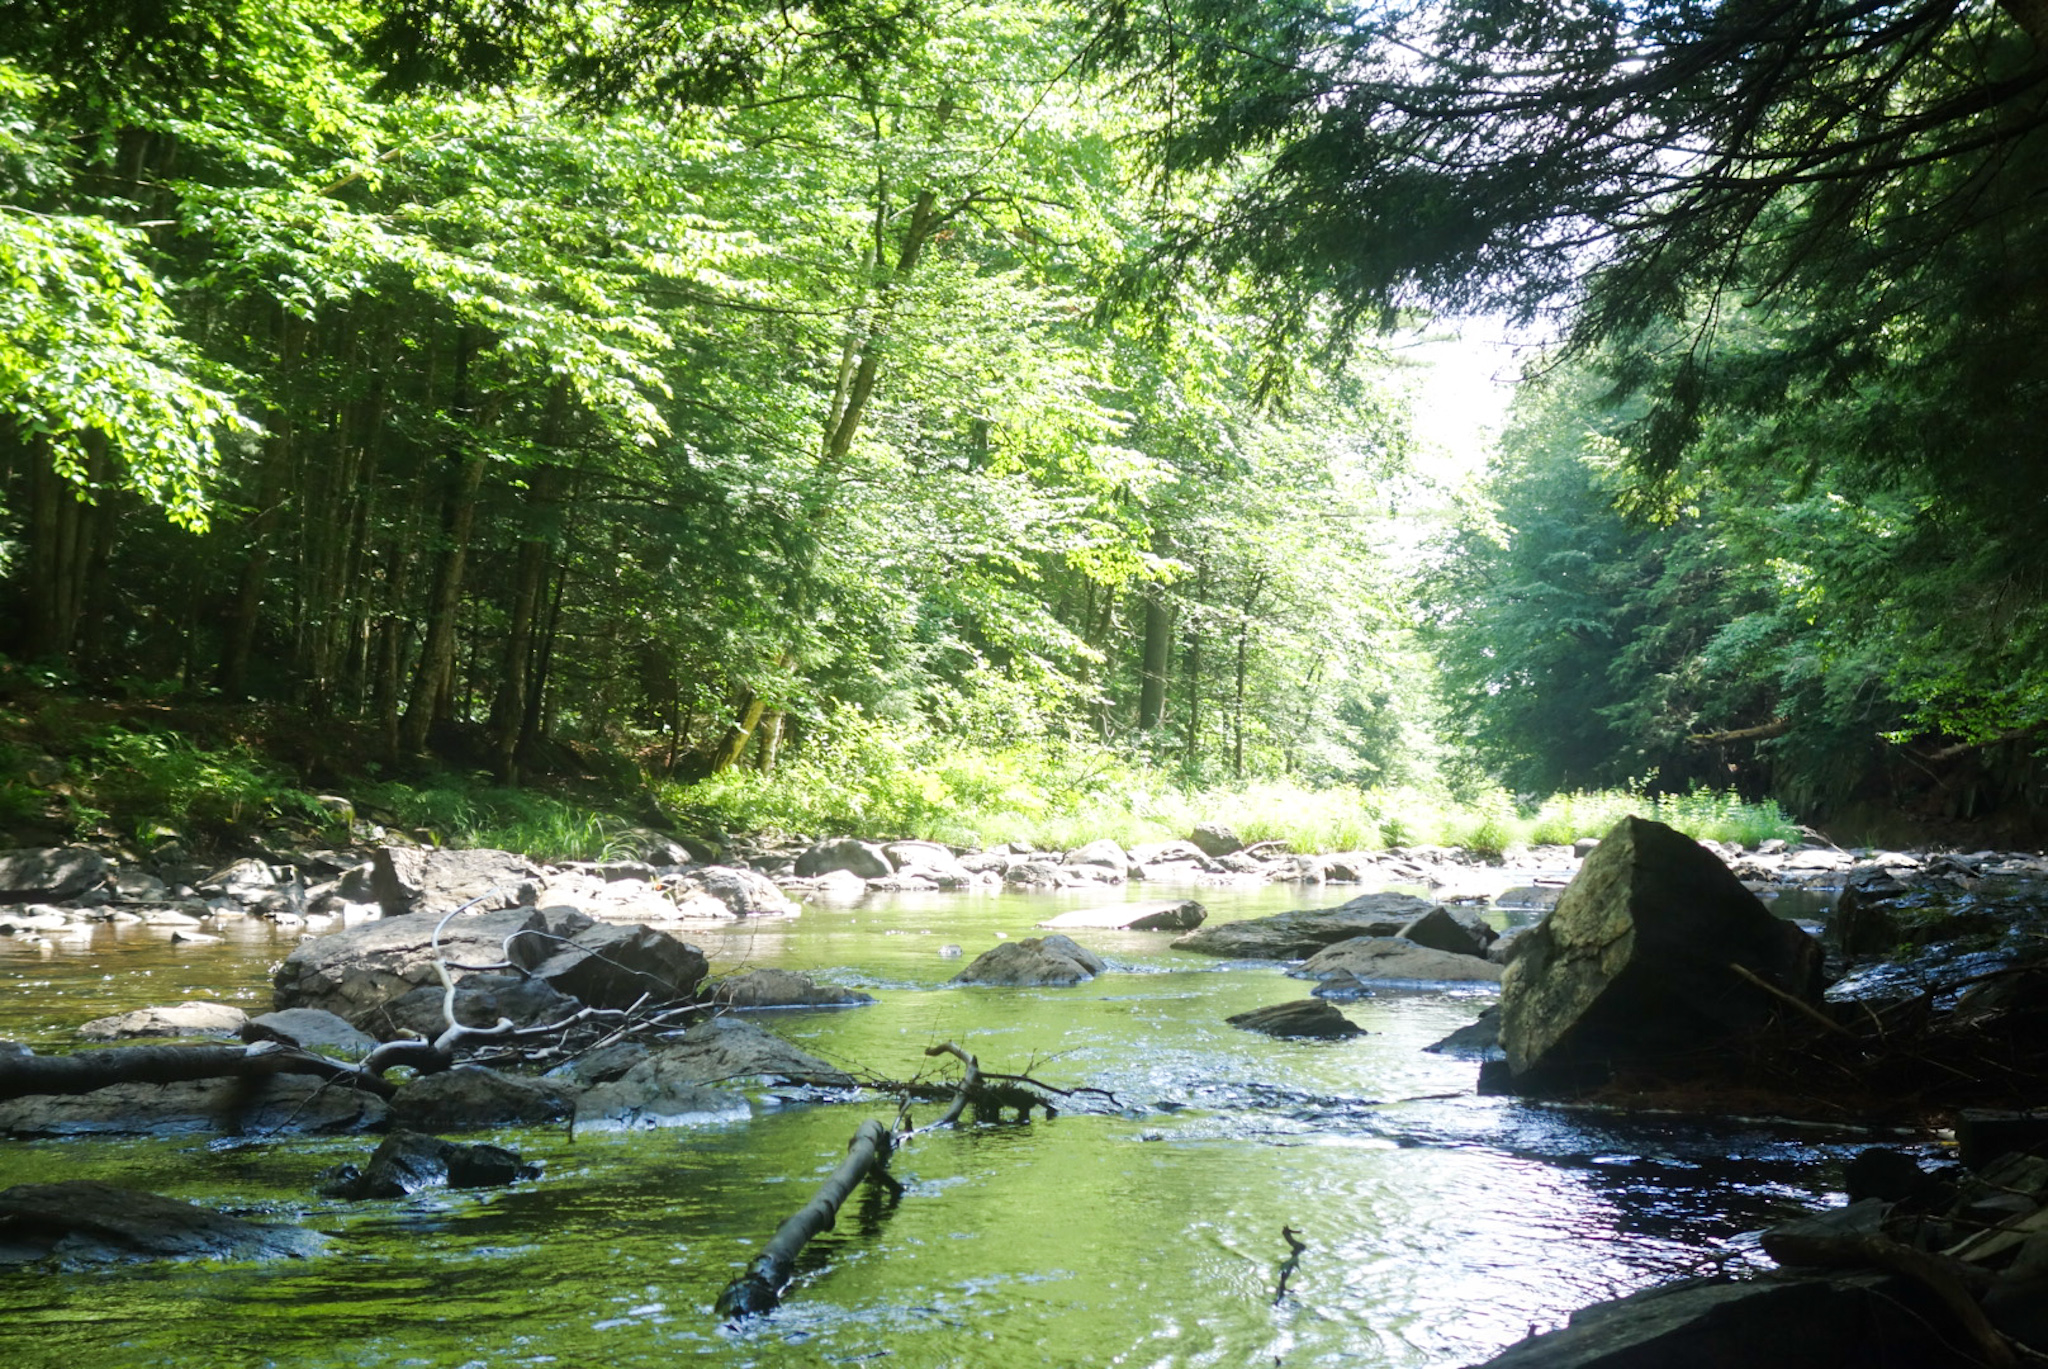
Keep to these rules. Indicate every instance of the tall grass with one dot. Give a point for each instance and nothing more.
(877, 782)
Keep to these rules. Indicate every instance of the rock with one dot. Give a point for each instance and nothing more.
(1291, 936)
(1160, 915)
(839, 886)
(354, 972)
(81, 1222)
(1775, 1321)
(727, 1049)
(1789, 1242)
(857, 857)
(1634, 961)
(1508, 945)
(1440, 931)
(1105, 854)
(745, 893)
(614, 967)
(406, 879)
(480, 1000)
(311, 1029)
(1985, 1134)
(1390, 958)
(1033, 874)
(1342, 987)
(658, 1091)
(408, 1161)
(1306, 1017)
(1586, 846)
(1215, 839)
(1035, 962)
(1476, 1040)
(470, 1098)
(628, 902)
(287, 1104)
(245, 881)
(1171, 853)
(782, 989)
(40, 874)
(183, 1019)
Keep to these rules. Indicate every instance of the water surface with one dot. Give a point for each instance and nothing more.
(1140, 1227)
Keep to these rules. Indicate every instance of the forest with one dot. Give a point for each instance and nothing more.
(736, 397)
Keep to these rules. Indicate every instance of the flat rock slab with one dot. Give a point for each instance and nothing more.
(1776, 1321)
(1391, 958)
(1048, 962)
(658, 1091)
(1309, 1017)
(179, 1019)
(288, 1104)
(759, 989)
(1159, 915)
(726, 1049)
(311, 1029)
(1295, 935)
(81, 1222)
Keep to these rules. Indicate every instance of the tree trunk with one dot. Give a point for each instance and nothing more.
(22, 1076)
(733, 744)
(271, 480)
(63, 534)
(760, 1288)
(771, 743)
(428, 700)
(1155, 660)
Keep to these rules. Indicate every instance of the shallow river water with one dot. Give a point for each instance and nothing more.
(1145, 1230)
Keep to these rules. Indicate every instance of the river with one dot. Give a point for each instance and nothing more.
(1439, 1226)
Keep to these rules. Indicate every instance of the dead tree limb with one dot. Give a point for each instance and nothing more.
(1799, 1005)
(760, 1288)
(84, 1071)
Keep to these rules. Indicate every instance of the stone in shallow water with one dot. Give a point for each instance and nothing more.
(182, 1019)
(82, 1222)
(1291, 936)
(1312, 1017)
(1035, 962)
(1157, 915)
(1392, 958)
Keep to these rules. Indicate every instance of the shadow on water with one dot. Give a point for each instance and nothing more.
(1141, 1228)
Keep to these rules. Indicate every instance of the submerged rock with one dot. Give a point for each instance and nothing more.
(1035, 962)
(1636, 960)
(1295, 935)
(1311, 1017)
(660, 1090)
(81, 1222)
(1158, 915)
(727, 1049)
(768, 988)
(182, 1019)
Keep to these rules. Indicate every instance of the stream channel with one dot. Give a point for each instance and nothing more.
(1440, 1226)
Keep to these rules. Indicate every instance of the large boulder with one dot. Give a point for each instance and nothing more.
(1035, 962)
(35, 874)
(616, 967)
(1103, 854)
(1216, 839)
(743, 892)
(407, 879)
(846, 853)
(1637, 961)
(1158, 915)
(1440, 930)
(1291, 936)
(1395, 958)
(82, 1222)
(354, 972)
(480, 1001)
(310, 1029)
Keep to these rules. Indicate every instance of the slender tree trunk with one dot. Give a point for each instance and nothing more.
(771, 743)
(433, 679)
(63, 536)
(733, 744)
(1191, 751)
(271, 476)
(1154, 662)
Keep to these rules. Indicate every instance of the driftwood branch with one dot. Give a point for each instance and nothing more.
(1776, 727)
(760, 1288)
(1799, 1005)
(1949, 1280)
(84, 1071)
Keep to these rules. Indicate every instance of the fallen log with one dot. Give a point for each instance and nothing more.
(760, 1288)
(85, 1071)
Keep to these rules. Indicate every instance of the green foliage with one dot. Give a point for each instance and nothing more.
(143, 780)
(454, 811)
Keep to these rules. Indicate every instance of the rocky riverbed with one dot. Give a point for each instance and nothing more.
(581, 991)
